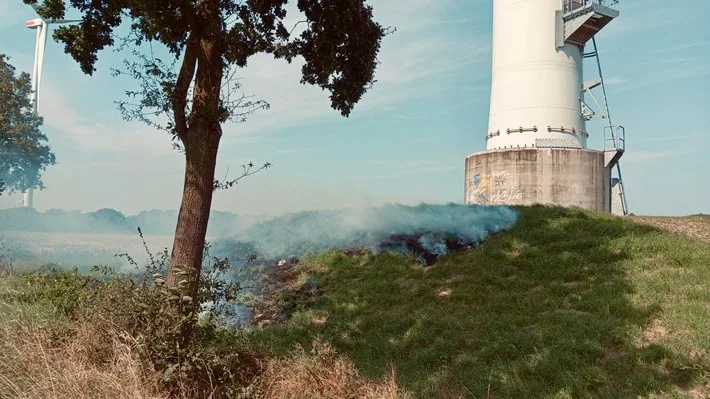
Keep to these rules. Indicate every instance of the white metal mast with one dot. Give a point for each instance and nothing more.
(40, 43)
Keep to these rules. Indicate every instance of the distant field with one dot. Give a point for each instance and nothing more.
(77, 249)
(697, 226)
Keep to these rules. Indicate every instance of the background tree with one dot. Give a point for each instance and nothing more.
(207, 40)
(24, 154)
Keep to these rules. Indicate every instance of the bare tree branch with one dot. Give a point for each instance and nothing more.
(296, 25)
(247, 170)
(168, 94)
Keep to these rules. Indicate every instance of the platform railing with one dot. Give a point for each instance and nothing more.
(614, 138)
(572, 5)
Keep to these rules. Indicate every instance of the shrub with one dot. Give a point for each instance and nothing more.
(141, 310)
(115, 335)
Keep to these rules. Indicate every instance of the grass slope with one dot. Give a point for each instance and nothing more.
(567, 304)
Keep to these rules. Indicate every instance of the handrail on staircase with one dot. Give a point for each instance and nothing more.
(572, 5)
(614, 138)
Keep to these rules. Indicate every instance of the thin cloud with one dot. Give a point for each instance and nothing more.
(389, 169)
(407, 58)
(615, 81)
(646, 156)
(666, 138)
(667, 74)
(14, 13)
(643, 156)
(135, 139)
(639, 17)
(291, 150)
(404, 173)
(683, 46)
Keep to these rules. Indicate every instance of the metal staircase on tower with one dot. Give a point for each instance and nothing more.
(581, 20)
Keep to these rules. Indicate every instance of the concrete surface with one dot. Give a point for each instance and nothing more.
(617, 207)
(559, 176)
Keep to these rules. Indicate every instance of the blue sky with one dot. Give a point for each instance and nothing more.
(407, 139)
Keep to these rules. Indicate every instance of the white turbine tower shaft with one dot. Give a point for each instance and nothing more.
(40, 43)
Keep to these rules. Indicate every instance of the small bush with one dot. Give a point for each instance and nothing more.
(155, 319)
(66, 290)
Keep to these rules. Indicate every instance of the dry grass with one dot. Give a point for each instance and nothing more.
(321, 374)
(33, 365)
(88, 361)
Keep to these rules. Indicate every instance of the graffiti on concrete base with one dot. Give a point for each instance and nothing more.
(493, 188)
(572, 187)
(504, 196)
(477, 194)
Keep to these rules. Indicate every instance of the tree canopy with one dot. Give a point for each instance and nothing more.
(24, 152)
(209, 40)
(339, 44)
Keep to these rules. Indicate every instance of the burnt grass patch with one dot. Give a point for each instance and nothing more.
(287, 286)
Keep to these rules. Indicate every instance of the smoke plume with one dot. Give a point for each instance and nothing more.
(433, 229)
(82, 239)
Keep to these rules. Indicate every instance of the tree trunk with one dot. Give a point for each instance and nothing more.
(201, 143)
(191, 230)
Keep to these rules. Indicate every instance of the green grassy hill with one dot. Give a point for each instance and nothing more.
(567, 304)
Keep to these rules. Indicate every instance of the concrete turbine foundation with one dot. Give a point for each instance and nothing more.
(559, 176)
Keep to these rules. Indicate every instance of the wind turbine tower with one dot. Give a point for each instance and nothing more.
(41, 27)
(539, 106)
